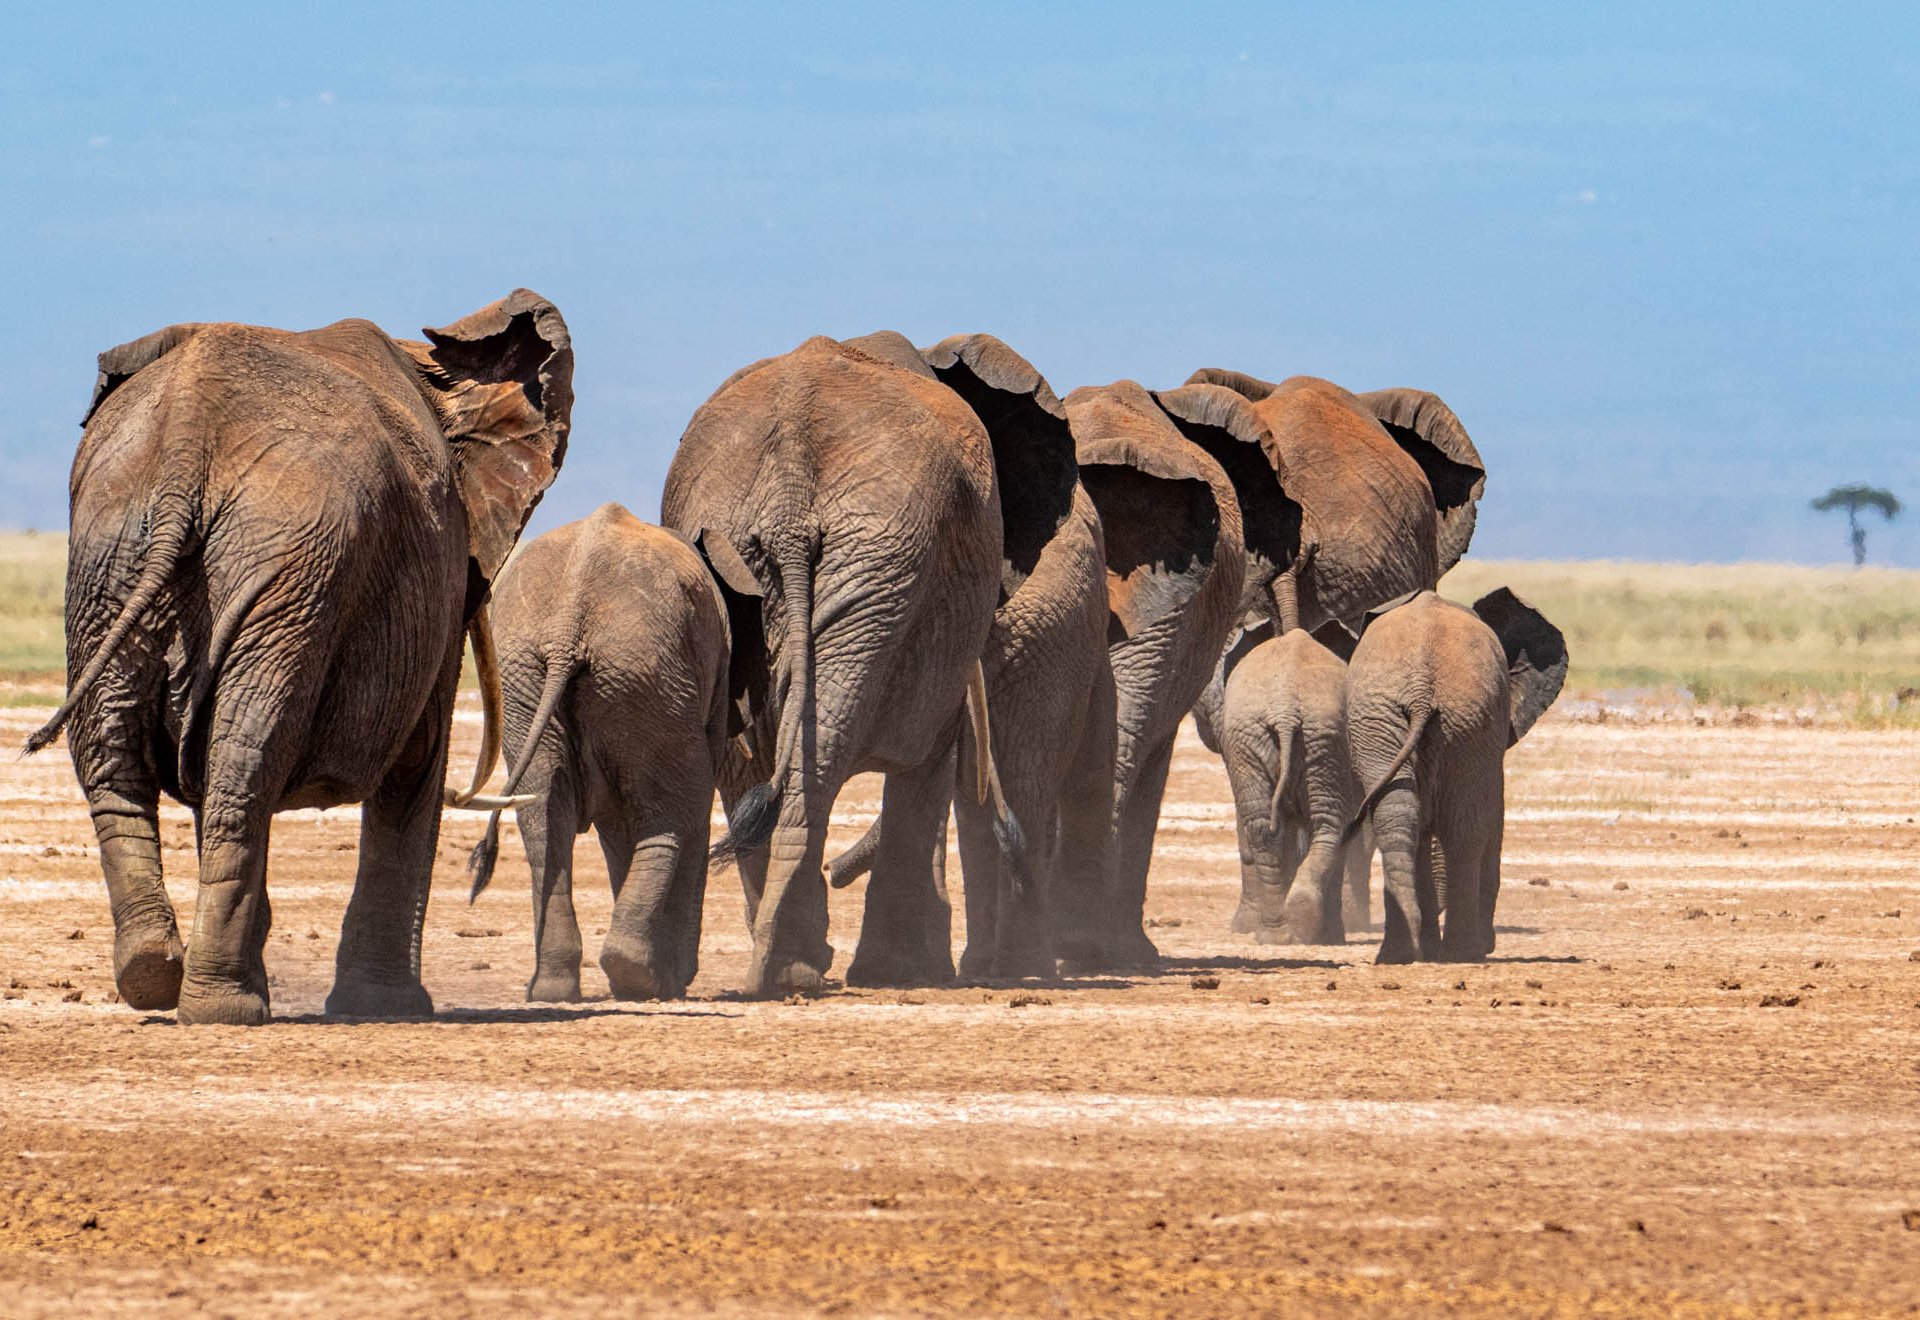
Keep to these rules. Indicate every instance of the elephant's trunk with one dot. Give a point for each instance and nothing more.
(480, 632)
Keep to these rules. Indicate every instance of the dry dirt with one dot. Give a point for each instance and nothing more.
(1607, 1118)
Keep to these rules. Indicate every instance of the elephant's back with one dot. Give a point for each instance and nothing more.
(1292, 667)
(624, 598)
(1438, 651)
(1364, 502)
(875, 447)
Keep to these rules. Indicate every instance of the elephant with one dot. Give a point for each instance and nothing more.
(613, 644)
(1176, 565)
(1387, 485)
(1048, 681)
(1283, 734)
(860, 494)
(278, 542)
(1436, 693)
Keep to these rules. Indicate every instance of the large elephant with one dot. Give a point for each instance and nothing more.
(278, 541)
(1047, 676)
(861, 495)
(1176, 566)
(1387, 484)
(1436, 693)
(613, 655)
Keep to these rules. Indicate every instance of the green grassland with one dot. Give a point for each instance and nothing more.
(1845, 641)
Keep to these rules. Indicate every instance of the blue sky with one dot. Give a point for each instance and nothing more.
(1664, 262)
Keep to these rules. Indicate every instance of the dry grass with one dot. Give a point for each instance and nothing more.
(1729, 634)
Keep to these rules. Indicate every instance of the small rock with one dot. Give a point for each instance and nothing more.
(1389, 985)
(1205, 981)
(78, 935)
(1459, 985)
(1779, 1001)
(1636, 1225)
(1893, 912)
(1693, 914)
(1027, 1000)
(1335, 985)
(1619, 885)
(1910, 1220)
(313, 934)
(1552, 1226)
(1534, 985)
(1540, 882)
(1259, 999)
(72, 996)
(49, 851)
(479, 966)
(882, 1202)
(1728, 983)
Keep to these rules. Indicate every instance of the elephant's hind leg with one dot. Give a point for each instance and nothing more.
(226, 976)
(899, 942)
(549, 828)
(1137, 819)
(1396, 829)
(645, 955)
(377, 966)
(148, 955)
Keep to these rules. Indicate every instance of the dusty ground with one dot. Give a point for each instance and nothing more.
(1607, 1118)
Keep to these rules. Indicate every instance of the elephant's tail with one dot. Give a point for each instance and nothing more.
(172, 528)
(1006, 826)
(758, 810)
(1284, 777)
(560, 670)
(1417, 725)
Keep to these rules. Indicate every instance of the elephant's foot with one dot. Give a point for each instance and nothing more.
(894, 967)
(147, 968)
(1275, 935)
(783, 974)
(222, 1003)
(354, 996)
(635, 973)
(554, 985)
(1006, 965)
(1133, 951)
(1246, 918)
(1395, 953)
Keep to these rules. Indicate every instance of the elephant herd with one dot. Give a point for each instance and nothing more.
(871, 557)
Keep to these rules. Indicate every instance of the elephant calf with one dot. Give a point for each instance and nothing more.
(1436, 693)
(1283, 733)
(613, 646)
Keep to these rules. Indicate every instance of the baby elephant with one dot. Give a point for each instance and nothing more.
(613, 645)
(1436, 693)
(1283, 733)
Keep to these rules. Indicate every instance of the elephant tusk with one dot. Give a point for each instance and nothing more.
(488, 801)
(486, 664)
(982, 734)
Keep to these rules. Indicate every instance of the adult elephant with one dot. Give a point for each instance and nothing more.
(860, 494)
(1047, 677)
(1387, 484)
(1176, 565)
(278, 541)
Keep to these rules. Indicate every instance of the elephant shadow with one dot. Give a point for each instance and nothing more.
(1171, 966)
(527, 1014)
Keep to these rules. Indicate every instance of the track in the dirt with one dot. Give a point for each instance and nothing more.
(1604, 1119)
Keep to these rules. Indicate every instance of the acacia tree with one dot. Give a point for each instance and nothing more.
(1853, 499)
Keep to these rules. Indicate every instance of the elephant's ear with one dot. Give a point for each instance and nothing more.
(1536, 657)
(1336, 637)
(1247, 387)
(746, 655)
(502, 383)
(119, 364)
(1224, 424)
(1423, 425)
(1033, 451)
